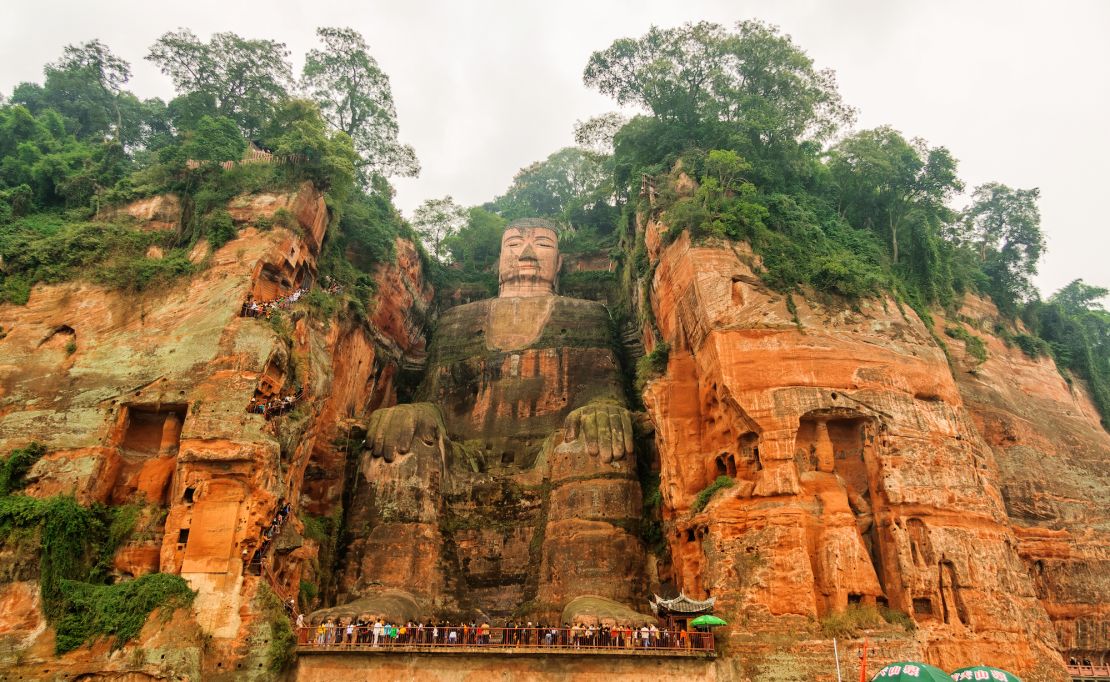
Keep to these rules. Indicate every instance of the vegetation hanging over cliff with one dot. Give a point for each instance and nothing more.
(81, 142)
(75, 548)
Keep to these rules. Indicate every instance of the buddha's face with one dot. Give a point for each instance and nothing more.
(530, 261)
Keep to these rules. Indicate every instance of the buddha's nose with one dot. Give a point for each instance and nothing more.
(528, 254)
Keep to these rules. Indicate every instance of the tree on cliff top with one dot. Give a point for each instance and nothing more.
(570, 185)
(698, 74)
(435, 221)
(86, 86)
(1003, 225)
(246, 79)
(354, 96)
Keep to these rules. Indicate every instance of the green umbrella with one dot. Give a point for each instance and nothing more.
(984, 672)
(707, 621)
(910, 671)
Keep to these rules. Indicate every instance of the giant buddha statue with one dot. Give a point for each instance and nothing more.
(511, 487)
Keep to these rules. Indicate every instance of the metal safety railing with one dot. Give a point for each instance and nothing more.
(440, 637)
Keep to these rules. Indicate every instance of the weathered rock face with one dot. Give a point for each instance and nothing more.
(1051, 456)
(858, 473)
(144, 399)
(860, 469)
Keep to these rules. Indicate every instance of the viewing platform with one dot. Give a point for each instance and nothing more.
(509, 642)
(1089, 673)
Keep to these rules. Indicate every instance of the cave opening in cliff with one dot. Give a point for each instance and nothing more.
(749, 456)
(61, 337)
(726, 465)
(951, 601)
(152, 429)
(923, 608)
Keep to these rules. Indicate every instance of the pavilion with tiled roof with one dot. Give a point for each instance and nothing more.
(680, 610)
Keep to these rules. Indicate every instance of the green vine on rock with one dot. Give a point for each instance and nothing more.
(76, 546)
(707, 494)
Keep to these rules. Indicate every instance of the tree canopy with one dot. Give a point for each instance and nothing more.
(245, 79)
(1003, 225)
(354, 96)
(435, 221)
(701, 73)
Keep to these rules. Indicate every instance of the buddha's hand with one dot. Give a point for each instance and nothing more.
(404, 429)
(605, 428)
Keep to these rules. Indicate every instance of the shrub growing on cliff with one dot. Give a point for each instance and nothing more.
(16, 465)
(89, 611)
(707, 494)
(973, 344)
(852, 621)
(282, 650)
(219, 228)
(652, 365)
(76, 547)
(47, 248)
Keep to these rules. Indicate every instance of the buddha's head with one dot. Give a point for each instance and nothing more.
(530, 259)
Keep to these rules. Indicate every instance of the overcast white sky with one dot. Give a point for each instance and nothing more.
(1019, 91)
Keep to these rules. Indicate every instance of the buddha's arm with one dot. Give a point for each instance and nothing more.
(605, 427)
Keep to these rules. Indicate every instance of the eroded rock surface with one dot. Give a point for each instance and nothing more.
(144, 399)
(858, 475)
(861, 467)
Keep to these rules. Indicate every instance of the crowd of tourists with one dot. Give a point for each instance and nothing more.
(275, 406)
(253, 308)
(340, 633)
(265, 309)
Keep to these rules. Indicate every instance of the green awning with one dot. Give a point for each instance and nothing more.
(707, 621)
(910, 671)
(993, 674)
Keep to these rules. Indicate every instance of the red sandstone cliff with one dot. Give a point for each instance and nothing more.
(152, 407)
(859, 473)
(865, 468)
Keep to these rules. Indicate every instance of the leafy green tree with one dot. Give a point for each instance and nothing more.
(296, 128)
(570, 185)
(215, 139)
(1003, 225)
(435, 221)
(86, 87)
(698, 73)
(887, 184)
(477, 244)
(354, 96)
(1079, 297)
(244, 79)
(596, 134)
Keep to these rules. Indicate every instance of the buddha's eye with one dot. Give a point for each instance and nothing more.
(513, 243)
(545, 243)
